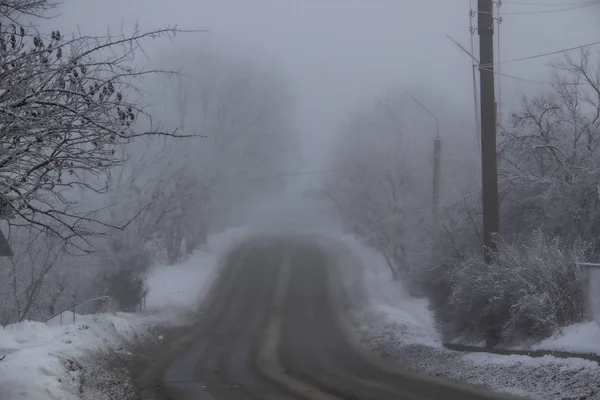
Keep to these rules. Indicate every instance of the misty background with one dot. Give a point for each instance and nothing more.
(296, 116)
(338, 55)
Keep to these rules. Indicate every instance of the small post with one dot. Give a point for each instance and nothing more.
(437, 151)
(74, 305)
(592, 270)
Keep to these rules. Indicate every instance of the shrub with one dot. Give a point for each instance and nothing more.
(125, 277)
(531, 290)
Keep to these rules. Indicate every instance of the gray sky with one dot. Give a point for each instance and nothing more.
(341, 53)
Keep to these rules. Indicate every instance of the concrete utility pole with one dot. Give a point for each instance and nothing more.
(437, 178)
(489, 164)
(437, 165)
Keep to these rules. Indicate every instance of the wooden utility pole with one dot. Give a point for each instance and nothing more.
(489, 164)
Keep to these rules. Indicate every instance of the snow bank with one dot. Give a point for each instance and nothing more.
(397, 326)
(383, 299)
(176, 289)
(42, 360)
(578, 338)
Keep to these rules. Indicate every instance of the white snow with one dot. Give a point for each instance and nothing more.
(42, 360)
(514, 359)
(176, 288)
(36, 363)
(395, 325)
(578, 338)
(383, 299)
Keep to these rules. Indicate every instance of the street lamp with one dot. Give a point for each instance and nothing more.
(437, 155)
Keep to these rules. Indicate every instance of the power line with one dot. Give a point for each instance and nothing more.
(552, 53)
(578, 7)
(518, 78)
(470, 54)
(549, 4)
(489, 67)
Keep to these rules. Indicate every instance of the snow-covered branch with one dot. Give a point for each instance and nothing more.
(67, 105)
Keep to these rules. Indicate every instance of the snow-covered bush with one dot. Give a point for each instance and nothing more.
(531, 290)
(548, 166)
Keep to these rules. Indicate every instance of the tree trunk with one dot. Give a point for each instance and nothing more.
(170, 248)
(177, 242)
(190, 245)
(202, 236)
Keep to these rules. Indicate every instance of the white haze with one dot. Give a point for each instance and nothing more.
(301, 122)
(340, 55)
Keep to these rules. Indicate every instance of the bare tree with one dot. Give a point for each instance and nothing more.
(375, 190)
(243, 112)
(550, 204)
(67, 105)
(27, 274)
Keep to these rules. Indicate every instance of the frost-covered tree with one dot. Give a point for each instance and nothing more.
(67, 105)
(242, 110)
(550, 159)
(382, 180)
(70, 113)
(550, 202)
(377, 186)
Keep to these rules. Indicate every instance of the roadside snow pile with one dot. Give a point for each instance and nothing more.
(177, 289)
(41, 361)
(578, 338)
(44, 361)
(375, 297)
(399, 327)
(545, 378)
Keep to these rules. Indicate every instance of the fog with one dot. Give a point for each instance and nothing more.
(296, 115)
(340, 54)
(146, 146)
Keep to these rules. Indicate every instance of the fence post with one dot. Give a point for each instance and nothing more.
(591, 308)
(74, 304)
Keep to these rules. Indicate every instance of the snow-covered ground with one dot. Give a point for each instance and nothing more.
(578, 338)
(43, 360)
(395, 325)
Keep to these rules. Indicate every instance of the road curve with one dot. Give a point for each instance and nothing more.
(271, 331)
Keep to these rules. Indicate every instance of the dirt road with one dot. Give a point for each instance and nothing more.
(271, 331)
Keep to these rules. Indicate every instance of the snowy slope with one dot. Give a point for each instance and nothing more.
(39, 357)
(42, 360)
(578, 338)
(400, 327)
